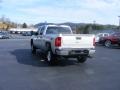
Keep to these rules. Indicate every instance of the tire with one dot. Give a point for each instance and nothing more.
(81, 59)
(33, 49)
(108, 43)
(50, 57)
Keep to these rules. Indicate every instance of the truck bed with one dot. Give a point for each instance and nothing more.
(77, 41)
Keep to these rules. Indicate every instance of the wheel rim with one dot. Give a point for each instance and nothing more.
(108, 43)
(49, 56)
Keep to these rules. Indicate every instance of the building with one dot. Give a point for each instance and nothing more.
(3, 26)
(21, 30)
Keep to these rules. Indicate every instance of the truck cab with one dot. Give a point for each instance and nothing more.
(59, 41)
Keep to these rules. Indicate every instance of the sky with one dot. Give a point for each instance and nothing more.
(58, 11)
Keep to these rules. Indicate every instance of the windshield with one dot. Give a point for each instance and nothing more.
(58, 30)
(116, 34)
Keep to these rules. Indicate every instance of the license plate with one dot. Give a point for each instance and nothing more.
(79, 52)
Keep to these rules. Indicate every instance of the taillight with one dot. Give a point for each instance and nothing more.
(58, 41)
(93, 41)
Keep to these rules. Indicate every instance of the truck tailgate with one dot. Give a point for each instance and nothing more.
(77, 41)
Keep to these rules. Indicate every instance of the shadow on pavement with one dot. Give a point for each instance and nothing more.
(24, 56)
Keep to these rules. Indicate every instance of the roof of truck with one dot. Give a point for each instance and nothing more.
(57, 25)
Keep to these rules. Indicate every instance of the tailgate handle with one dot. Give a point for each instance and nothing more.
(78, 38)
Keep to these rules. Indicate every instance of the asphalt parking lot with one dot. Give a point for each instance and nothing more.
(20, 70)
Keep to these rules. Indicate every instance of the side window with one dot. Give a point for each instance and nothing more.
(100, 35)
(41, 30)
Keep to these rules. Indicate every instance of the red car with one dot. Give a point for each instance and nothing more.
(112, 39)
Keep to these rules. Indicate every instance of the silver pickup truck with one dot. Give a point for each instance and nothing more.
(57, 41)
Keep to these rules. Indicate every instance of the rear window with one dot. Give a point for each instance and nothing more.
(58, 30)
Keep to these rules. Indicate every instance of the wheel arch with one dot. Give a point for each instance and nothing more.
(48, 43)
(107, 40)
(31, 41)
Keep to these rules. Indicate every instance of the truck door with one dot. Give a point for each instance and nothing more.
(36, 38)
(40, 37)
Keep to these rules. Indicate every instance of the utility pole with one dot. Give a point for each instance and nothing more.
(119, 22)
(94, 22)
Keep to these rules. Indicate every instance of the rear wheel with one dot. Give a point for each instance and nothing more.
(108, 43)
(50, 57)
(81, 59)
(33, 49)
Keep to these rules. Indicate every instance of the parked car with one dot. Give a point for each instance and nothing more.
(4, 35)
(26, 34)
(100, 35)
(110, 40)
(57, 41)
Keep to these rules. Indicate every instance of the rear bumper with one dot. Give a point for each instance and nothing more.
(75, 52)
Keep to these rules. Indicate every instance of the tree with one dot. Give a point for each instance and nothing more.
(80, 29)
(24, 25)
(84, 29)
(98, 27)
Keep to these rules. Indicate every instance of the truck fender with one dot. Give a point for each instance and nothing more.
(48, 44)
(31, 41)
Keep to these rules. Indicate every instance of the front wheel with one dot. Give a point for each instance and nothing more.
(81, 59)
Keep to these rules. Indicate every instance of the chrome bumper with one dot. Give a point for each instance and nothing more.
(67, 52)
